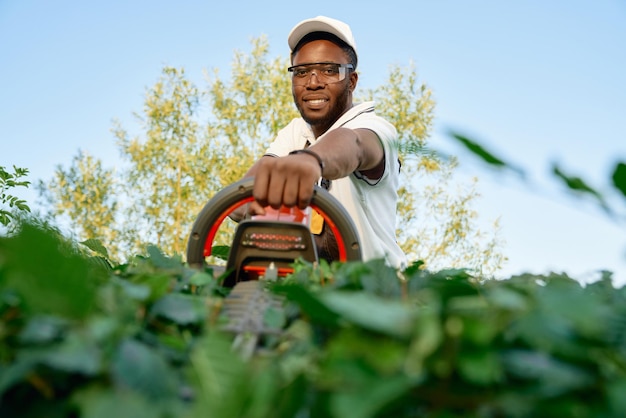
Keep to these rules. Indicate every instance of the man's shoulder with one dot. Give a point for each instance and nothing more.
(361, 111)
(364, 115)
(363, 108)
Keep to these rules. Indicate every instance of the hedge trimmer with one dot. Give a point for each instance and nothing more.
(263, 248)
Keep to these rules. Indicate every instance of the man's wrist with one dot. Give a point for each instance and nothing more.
(313, 154)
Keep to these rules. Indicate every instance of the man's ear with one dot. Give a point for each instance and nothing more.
(354, 78)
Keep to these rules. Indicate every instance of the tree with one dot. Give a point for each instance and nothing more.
(437, 224)
(183, 157)
(167, 168)
(86, 197)
(249, 110)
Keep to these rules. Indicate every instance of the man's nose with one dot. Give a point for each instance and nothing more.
(315, 83)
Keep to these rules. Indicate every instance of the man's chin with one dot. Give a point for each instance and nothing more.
(315, 119)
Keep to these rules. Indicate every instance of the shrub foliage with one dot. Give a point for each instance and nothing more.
(82, 338)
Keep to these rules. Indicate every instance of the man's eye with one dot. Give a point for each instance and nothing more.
(301, 72)
(330, 70)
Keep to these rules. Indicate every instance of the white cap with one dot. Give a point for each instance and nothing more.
(321, 24)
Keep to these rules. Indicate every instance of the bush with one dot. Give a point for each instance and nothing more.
(81, 338)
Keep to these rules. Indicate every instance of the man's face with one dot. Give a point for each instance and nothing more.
(321, 104)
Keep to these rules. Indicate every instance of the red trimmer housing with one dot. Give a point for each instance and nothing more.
(260, 243)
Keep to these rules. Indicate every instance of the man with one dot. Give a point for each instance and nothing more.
(348, 146)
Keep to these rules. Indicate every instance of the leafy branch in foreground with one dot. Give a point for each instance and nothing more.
(573, 183)
(485, 155)
(8, 181)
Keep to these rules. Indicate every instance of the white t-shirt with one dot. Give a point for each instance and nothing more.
(370, 203)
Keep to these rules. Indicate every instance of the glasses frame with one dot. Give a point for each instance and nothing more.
(342, 74)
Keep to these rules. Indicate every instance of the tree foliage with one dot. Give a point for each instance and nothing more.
(255, 104)
(436, 222)
(193, 142)
(166, 166)
(87, 196)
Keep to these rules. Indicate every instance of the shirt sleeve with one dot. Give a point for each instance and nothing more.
(388, 137)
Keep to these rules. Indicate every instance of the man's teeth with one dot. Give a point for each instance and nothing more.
(317, 101)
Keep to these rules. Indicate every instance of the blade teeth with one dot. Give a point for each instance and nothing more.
(245, 306)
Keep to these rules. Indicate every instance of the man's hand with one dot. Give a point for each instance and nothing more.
(287, 181)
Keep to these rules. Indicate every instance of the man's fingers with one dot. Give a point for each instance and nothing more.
(291, 191)
(275, 190)
(261, 185)
(305, 192)
(254, 208)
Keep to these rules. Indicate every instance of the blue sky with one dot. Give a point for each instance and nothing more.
(535, 81)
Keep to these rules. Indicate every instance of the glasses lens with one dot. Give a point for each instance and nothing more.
(325, 73)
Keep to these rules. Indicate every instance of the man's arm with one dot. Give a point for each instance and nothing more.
(345, 151)
(290, 180)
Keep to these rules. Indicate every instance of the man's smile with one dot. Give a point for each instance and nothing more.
(315, 102)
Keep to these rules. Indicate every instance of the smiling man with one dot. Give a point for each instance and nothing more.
(344, 147)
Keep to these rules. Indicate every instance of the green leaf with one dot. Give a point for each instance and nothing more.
(619, 178)
(552, 377)
(590, 318)
(75, 354)
(482, 330)
(160, 260)
(428, 337)
(220, 251)
(200, 278)
(505, 298)
(139, 367)
(140, 292)
(42, 329)
(369, 397)
(616, 398)
(389, 317)
(96, 246)
(274, 318)
(309, 303)
(414, 268)
(481, 368)
(376, 277)
(21, 205)
(15, 372)
(103, 328)
(100, 402)
(180, 308)
(578, 185)
(221, 378)
(48, 274)
(485, 155)
(352, 347)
